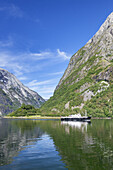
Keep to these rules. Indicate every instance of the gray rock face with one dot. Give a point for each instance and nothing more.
(101, 44)
(14, 93)
(87, 83)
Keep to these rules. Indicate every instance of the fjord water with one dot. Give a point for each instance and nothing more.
(52, 144)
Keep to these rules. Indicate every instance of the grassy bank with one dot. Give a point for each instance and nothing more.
(31, 117)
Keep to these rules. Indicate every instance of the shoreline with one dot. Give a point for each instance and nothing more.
(102, 118)
(47, 117)
(32, 117)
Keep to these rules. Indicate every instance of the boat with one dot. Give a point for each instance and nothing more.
(76, 117)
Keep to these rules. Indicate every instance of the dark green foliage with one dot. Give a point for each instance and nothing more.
(112, 60)
(25, 110)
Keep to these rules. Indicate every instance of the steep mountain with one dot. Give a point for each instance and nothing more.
(87, 83)
(13, 93)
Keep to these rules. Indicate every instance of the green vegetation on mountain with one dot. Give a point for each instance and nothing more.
(87, 84)
(73, 91)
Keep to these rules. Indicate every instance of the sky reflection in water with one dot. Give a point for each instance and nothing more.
(49, 144)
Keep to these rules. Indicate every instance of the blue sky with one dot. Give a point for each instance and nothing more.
(38, 37)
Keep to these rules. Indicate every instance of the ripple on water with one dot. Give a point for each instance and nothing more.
(40, 154)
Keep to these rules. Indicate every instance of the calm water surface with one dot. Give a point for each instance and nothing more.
(51, 144)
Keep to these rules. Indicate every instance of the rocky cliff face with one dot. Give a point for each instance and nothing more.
(101, 44)
(13, 93)
(87, 83)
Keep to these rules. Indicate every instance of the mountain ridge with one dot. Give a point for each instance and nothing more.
(88, 77)
(14, 93)
(103, 27)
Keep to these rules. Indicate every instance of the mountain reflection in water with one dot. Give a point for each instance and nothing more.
(14, 135)
(49, 144)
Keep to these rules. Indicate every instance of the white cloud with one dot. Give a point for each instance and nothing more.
(25, 65)
(22, 78)
(52, 55)
(41, 55)
(44, 88)
(36, 83)
(12, 10)
(63, 54)
(57, 73)
(45, 91)
(10, 62)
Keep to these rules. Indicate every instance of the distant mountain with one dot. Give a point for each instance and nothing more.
(13, 93)
(87, 83)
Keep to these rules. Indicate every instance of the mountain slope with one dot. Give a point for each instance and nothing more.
(87, 83)
(13, 93)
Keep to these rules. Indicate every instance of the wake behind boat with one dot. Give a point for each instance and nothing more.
(76, 117)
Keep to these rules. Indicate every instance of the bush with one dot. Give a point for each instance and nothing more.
(24, 110)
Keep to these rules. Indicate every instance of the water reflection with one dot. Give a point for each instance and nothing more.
(24, 145)
(79, 145)
(79, 125)
(14, 135)
(83, 146)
